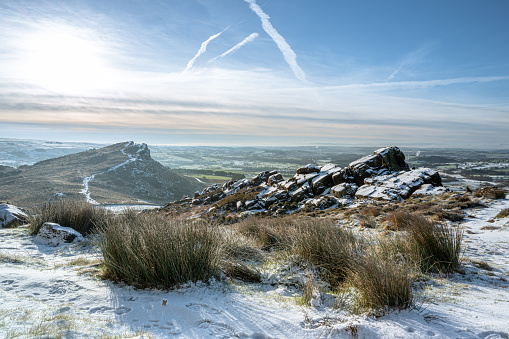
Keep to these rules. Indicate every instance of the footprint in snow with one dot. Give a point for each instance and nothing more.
(123, 310)
(203, 308)
(218, 330)
(493, 335)
(171, 327)
(64, 286)
(7, 282)
(100, 309)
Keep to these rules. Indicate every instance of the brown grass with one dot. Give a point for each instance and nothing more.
(437, 246)
(491, 192)
(503, 213)
(328, 246)
(152, 251)
(76, 214)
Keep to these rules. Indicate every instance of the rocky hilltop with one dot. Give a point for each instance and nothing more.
(122, 173)
(383, 175)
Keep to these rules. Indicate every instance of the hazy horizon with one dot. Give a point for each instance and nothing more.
(253, 73)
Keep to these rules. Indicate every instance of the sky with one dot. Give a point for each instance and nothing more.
(256, 72)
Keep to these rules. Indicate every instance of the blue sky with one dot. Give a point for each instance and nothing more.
(256, 72)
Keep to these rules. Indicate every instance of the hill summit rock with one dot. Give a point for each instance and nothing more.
(123, 173)
(382, 175)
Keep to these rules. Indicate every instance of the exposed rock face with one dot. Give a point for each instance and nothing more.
(381, 175)
(52, 234)
(11, 216)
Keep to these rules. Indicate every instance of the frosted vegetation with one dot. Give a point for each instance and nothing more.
(336, 274)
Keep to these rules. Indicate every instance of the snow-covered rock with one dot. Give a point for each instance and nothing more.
(11, 216)
(309, 168)
(398, 186)
(52, 234)
(344, 190)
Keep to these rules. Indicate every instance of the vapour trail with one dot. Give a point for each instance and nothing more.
(288, 53)
(237, 46)
(202, 49)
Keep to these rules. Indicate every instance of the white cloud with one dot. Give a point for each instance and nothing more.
(410, 60)
(237, 46)
(284, 47)
(202, 49)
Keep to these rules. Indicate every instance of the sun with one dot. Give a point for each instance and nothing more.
(65, 60)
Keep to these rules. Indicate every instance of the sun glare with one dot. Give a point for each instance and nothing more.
(66, 61)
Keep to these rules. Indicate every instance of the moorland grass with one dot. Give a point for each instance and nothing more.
(77, 214)
(503, 213)
(491, 192)
(382, 282)
(329, 247)
(156, 252)
(269, 233)
(437, 247)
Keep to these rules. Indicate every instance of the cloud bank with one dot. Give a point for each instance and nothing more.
(284, 47)
(237, 46)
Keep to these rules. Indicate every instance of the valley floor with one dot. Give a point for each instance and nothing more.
(48, 292)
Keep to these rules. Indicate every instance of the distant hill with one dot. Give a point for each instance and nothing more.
(122, 173)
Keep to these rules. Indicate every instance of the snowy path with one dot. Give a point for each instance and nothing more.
(47, 290)
(86, 188)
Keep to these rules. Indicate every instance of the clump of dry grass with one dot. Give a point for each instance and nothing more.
(399, 219)
(371, 211)
(77, 214)
(381, 282)
(327, 246)
(269, 233)
(491, 192)
(152, 251)
(503, 213)
(240, 271)
(437, 246)
(482, 265)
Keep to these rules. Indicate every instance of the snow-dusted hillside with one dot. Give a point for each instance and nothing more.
(119, 173)
(53, 292)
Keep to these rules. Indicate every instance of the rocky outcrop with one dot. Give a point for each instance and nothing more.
(381, 175)
(11, 216)
(52, 234)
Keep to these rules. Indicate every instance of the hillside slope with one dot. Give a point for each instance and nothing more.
(120, 173)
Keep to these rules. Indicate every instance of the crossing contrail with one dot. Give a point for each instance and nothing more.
(288, 53)
(202, 49)
(237, 46)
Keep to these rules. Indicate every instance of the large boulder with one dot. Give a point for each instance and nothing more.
(262, 177)
(11, 216)
(344, 175)
(321, 183)
(344, 190)
(309, 168)
(52, 234)
(398, 186)
(303, 192)
(393, 158)
(365, 167)
(274, 179)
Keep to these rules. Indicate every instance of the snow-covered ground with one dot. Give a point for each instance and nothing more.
(49, 292)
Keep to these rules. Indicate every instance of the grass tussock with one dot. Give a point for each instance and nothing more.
(76, 214)
(155, 252)
(491, 192)
(503, 213)
(240, 271)
(269, 233)
(381, 283)
(400, 219)
(327, 246)
(436, 246)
